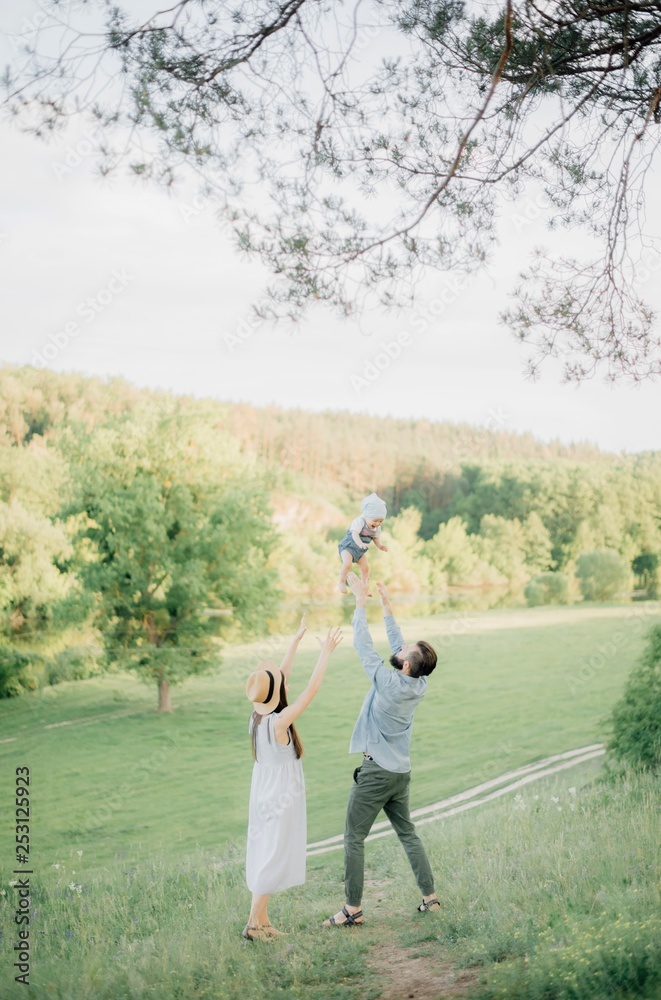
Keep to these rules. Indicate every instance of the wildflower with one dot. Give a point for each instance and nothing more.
(56, 866)
(13, 883)
(79, 853)
(554, 798)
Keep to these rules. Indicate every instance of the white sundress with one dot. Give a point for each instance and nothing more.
(277, 822)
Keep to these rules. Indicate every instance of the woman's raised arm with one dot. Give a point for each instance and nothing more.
(291, 713)
(288, 659)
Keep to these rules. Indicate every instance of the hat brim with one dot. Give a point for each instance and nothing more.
(265, 708)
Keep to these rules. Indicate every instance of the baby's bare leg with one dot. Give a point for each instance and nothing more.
(364, 567)
(346, 566)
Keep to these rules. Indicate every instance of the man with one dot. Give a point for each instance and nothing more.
(383, 734)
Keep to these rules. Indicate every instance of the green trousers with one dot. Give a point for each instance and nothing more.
(375, 789)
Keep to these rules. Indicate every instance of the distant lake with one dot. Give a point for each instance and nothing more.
(340, 611)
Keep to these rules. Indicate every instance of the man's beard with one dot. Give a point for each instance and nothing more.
(396, 662)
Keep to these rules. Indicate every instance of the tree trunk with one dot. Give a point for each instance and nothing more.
(164, 696)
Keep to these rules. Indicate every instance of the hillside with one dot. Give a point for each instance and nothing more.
(469, 509)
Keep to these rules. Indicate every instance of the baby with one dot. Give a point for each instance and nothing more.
(365, 529)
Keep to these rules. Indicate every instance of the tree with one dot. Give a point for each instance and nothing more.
(502, 543)
(370, 170)
(636, 718)
(602, 575)
(646, 567)
(454, 555)
(32, 551)
(547, 588)
(538, 546)
(177, 528)
(405, 566)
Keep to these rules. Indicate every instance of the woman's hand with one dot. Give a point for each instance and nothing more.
(302, 628)
(333, 639)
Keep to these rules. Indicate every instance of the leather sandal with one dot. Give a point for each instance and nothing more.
(424, 907)
(255, 934)
(351, 919)
(272, 931)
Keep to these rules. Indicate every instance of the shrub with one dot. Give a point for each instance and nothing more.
(602, 575)
(16, 674)
(547, 588)
(73, 665)
(636, 718)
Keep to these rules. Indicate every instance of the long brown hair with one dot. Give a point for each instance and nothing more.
(293, 735)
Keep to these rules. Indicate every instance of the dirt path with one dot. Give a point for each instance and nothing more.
(419, 976)
(476, 796)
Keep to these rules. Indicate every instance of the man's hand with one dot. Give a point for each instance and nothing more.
(358, 589)
(385, 598)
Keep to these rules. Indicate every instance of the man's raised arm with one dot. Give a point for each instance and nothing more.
(393, 631)
(372, 663)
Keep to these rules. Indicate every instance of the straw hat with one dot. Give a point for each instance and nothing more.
(263, 688)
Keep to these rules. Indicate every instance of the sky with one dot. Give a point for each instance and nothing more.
(112, 277)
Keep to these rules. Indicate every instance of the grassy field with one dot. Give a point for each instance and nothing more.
(138, 823)
(552, 896)
(113, 779)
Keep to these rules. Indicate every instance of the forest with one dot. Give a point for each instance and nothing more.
(142, 530)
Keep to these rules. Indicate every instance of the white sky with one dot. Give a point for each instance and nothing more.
(186, 293)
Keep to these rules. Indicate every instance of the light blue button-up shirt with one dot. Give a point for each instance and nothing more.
(385, 723)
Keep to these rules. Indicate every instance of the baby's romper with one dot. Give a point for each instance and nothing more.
(365, 534)
(277, 822)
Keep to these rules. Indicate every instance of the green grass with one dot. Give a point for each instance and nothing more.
(123, 781)
(554, 896)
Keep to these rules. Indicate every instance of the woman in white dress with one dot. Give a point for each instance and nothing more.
(277, 833)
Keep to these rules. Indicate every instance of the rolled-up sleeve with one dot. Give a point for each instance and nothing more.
(373, 664)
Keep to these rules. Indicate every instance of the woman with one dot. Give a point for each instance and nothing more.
(277, 829)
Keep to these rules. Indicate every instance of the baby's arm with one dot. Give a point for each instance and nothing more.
(355, 529)
(379, 544)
